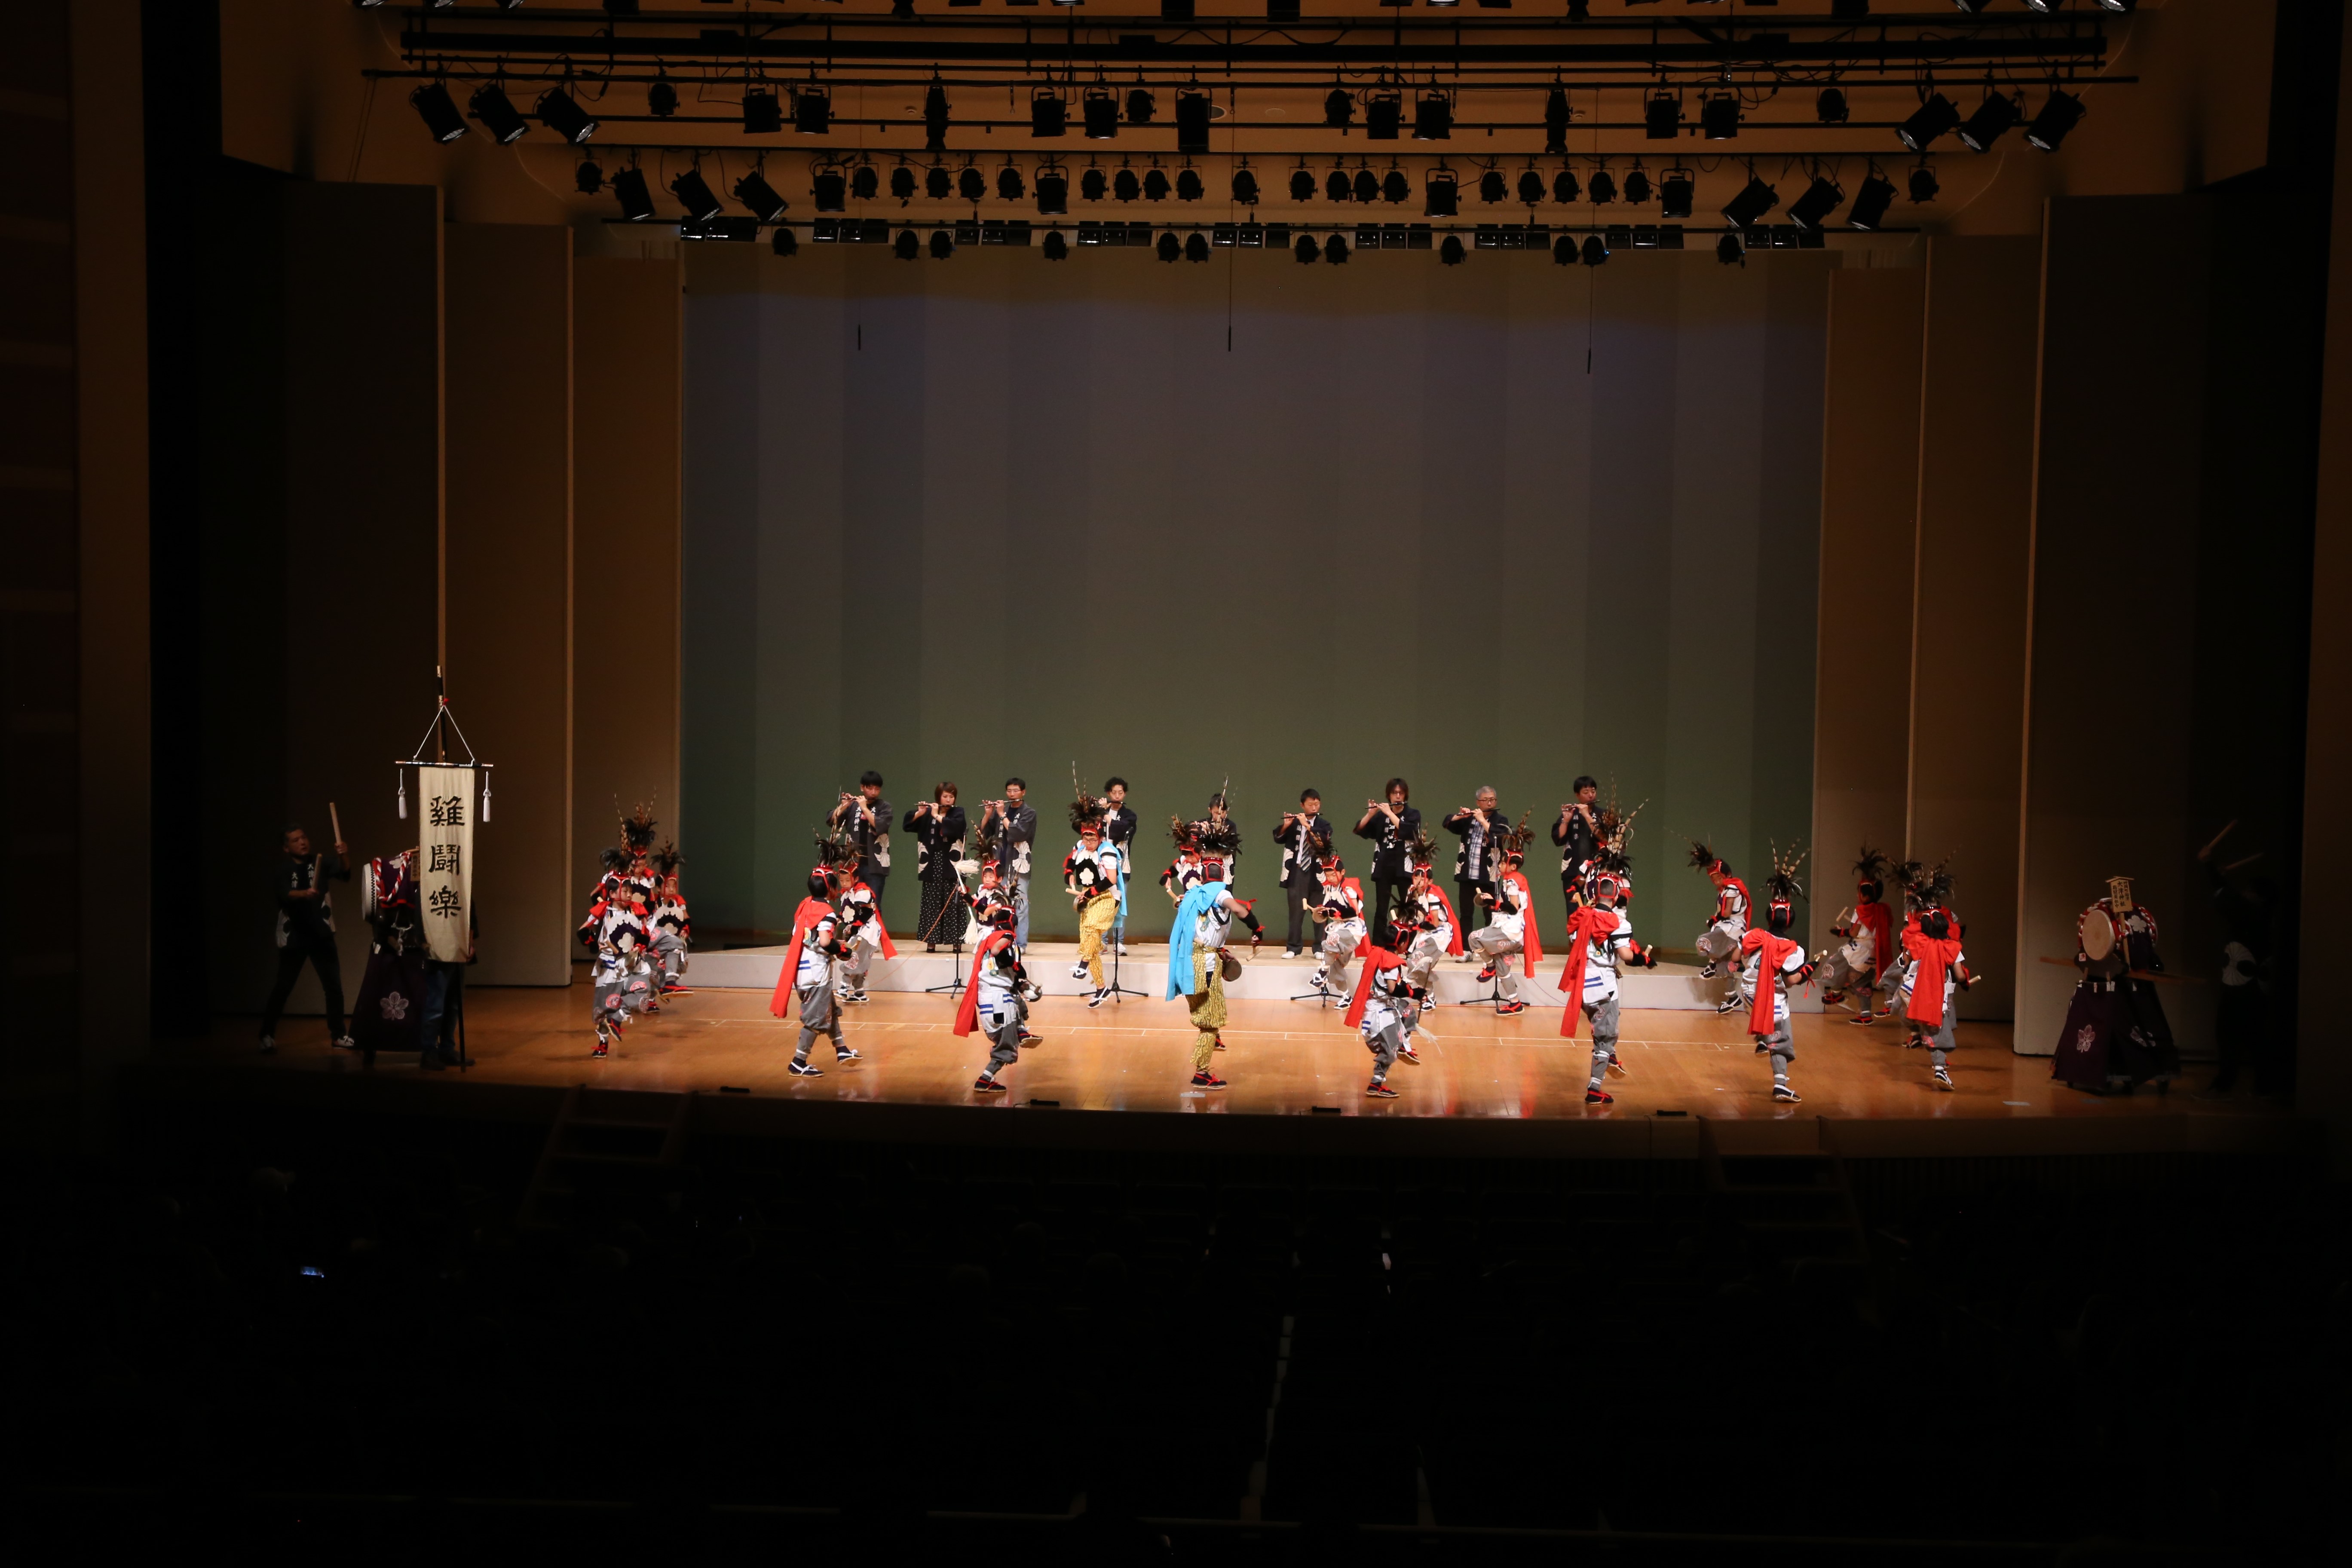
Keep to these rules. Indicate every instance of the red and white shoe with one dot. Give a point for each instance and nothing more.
(1207, 1081)
(1509, 1007)
(1407, 1055)
(1488, 972)
(1599, 1097)
(1864, 1017)
(985, 1084)
(1377, 1089)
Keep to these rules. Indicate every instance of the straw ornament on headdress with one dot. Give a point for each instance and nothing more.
(1514, 841)
(666, 860)
(1318, 848)
(1424, 853)
(1702, 858)
(1781, 887)
(637, 829)
(836, 853)
(1870, 869)
(615, 859)
(1181, 834)
(1085, 812)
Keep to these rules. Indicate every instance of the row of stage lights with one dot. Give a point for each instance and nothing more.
(1101, 110)
(833, 187)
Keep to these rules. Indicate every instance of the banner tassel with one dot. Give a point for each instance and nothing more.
(400, 789)
(485, 795)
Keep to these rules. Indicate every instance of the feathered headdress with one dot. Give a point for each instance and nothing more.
(1085, 812)
(614, 859)
(1783, 886)
(637, 829)
(666, 860)
(1702, 858)
(1319, 845)
(1424, 853)
(1221, 839)
(1514, 840)
(1180, 832)
(1873, 865)
(1925, 886)
(836, 850)
(1612, 830)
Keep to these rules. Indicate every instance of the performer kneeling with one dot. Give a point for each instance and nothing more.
(672, 929)
(1939, 970)
(1379, 1010)
(1599, 938)
(807, 978)
(1341, 913)
(1868, 936)
(992, 1000)
(1719, 942)
(1773, 964)
(1504, 934)
(1197, 960)
(623, 980)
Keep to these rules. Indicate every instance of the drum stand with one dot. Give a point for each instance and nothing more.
(954, 987)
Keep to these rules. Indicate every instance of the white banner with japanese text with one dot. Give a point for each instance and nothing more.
(445, 862)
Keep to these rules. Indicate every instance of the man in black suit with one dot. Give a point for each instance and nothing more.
(1302, 883)
(1392, 825)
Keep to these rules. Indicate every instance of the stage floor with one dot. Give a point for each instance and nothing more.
(1292, 1059)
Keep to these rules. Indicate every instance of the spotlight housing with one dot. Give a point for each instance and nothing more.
(938, 184)
(439, 112)
(935, 117)
(1302, 185)
(1441, 193)
(1367, 186)
(1677, 193)
(1052, 192)
(864, 183)
(1731, 252)
(1994, 116)
(970, 184)
(905, 248)
(1338, 114)
(1335, 250)
(1871, 202)
(1192, 122)
(1099, 110)
(811, 112)
(695, 194)
(1563, 251)
(1394, 186)
(588, 179)
(1831, 107)
(1196, 246)
(1168, 247)
(1755, 199)
(1491, 188)
(1604, 188)
(1141, 105)
(1595, 251)
(1155, 185)
(943, 245)
(1246, 187)
(1557, 114)
(1531, 187)
(1092, 186)
(489, 105)
(1125, 186)
(754, 191)
(902, 184)
(1009, 184)
(1049, 113)
(1924, 187)
(2060, 114)
(1433, 118)
(1189, 187)
(1564, 188)
(1812, 209)
(1056, 248)
(784, 244)
(764, 112)
(1929, 121)
(1662, 116)
(661, 99)
(1383, 115)
(1338, 188)
(561, 113)
(1307, 251)
(1718, 117)
(1637, 186)
(636, 201)
(829, 187)
(1450, 253)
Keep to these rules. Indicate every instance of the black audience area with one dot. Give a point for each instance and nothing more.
(361, 1339)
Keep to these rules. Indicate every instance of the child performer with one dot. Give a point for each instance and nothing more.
(1869, 938)
(1600, 939)
(1379, 1011)
(807, 977)
(1719, 942)
(992, 1000)
(1197, 957)
(672, 928)
(1090, 876)
(1341, 913)
(623, 986)
(1939, 970)
(862, 932)
(1506, 928)
(1773, 964)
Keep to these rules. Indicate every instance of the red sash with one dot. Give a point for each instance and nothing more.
(1453, 938)
(1591, 923)
(1530, 941)
(811, 912)
(1879, 921)
(1767, 973)
(968, 1006)
(1376, 959)
(1932, 961)
(1723, 902)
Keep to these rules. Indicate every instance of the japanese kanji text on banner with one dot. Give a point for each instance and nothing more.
(445, 862)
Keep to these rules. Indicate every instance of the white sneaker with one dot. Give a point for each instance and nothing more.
(1123, 952)
(345, 1043)
(1097, 999)
(1079, 972)
(268, 1044)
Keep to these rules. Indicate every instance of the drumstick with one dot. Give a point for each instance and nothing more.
(335, 817)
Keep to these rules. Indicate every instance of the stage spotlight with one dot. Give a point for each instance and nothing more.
(1367, 186)
(661, 99)
(695, 194)
(905, 248)
(1338, 109)
(1595, 251)
(1008, 186)
(1383, 115)
(1677, 193)
(1830, 107)
(904, 10)
(1491, 187)
(1394, 186)
(1812, 209)
(1048, 113)
(830, 187)
(784, 244)
(1870, 203)
(588, 179)
(1099, 109)
(1580, 10)
(559, 113)
(1052, 192)
(1531, 187)
(812, 111)
(1924, 187)
(2121, 7)
(1441, 195)
(1662, 116)
(971, 184)
(440, 114)
(1929, 121)
(935, 117)
(1604, 188)
(1141, 105)
(1563, 251)
(1637, 186)
(1196, 246)
(1718, 117)
(2061, 114)
(1755, 199)
(1338, 187)
(1970, 7)
(1995, 115)
(938, 184)
(1056, 248)
(1307, 251)
(1125, 186)
(1188, 185)
(1168, 247)
(1557, 114)
(1450, 252)
(865, 184)
(636, 201)
(1433, 118)
(1564, 187)
(764, 112)
(489, 105)
(1335, 250)
(1092, 184)
(1246, 187)
(1155, 186)
(754, 191)
(943, 245)
(1302, 185)
(902, 184)
(1728, 250)
(1192, 122)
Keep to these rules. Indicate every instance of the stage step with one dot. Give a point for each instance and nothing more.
(603, 1139)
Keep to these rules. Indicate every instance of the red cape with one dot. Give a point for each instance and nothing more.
(1453, 938)
(1375, 959)
(1746, 904)
(1774, 949)
(1591, 923)
(968, 1006)
(1356, 886)
(1879, 921)
(811, 912)
(1530, 940)
(1934, 960)
(889, 948)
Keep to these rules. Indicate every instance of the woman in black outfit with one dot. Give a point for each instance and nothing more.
(938, 826)
(1392, 825)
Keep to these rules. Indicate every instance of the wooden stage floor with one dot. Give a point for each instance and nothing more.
(1289, 1059)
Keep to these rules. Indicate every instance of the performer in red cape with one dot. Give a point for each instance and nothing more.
(1939, 970)
(1719, 942)
(1599, 940)
(1772, 962)
(1424, 931)
(817, 945)
(1338, 909)
(863, 936)
(1514, 871)
(1868, 939)
(991, 998)
(1383, 1001)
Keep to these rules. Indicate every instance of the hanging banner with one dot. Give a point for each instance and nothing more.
(445, 862)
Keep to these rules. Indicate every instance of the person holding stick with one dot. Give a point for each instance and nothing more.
(306, 931)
